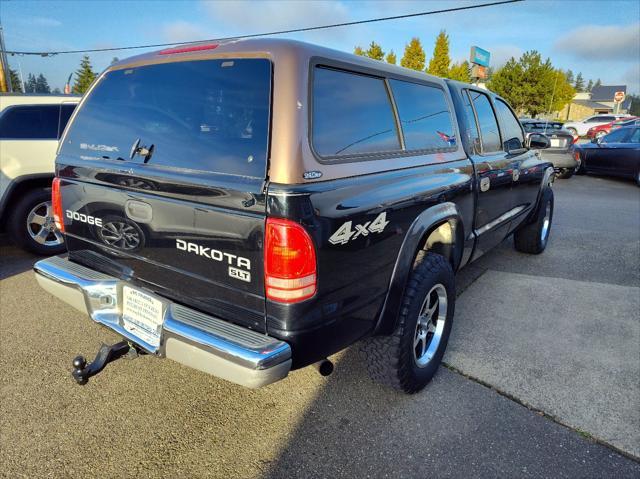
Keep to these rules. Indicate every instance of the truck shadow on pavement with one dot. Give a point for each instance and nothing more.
(13, 260)
(453, 428)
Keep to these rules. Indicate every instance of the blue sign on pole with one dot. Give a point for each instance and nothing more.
(479, 56)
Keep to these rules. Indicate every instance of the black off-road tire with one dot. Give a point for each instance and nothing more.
(18, 227)
(391, 359)
(565, 173)
(532, 238)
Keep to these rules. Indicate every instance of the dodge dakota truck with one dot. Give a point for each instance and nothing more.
(252, 207)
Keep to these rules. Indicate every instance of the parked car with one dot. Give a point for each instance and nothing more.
(616, 154)
(333, 198)
(30, 126)
(635, 121)
(601, 130)
(560, 153)
(580, 128)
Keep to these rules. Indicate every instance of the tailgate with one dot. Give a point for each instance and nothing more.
(162, 179)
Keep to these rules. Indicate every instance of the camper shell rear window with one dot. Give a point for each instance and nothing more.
(203, 115)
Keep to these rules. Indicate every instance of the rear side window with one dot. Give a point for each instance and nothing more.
(487, 122)
(424, 116)
(207, 115)
(352, 114)
(511, 131)
(65, 113)
(35, 122)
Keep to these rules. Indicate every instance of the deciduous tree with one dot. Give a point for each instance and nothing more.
(531, 85)
(414, 56)
(439, 63)
(84, 76)
(358, 51)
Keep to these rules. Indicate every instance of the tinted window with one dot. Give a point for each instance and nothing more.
(487, 121)
(471, 125)
(65, 114)
(634, 137)
(424, 116)
(209, 115)
(30, 122)
(616, 136)
(352, 114)
(511, 131)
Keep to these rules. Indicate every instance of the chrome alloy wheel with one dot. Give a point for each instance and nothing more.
(430, 325)
(42, 227)
(120, 235)
(544, 233)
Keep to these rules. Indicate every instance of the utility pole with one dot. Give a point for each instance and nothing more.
(5, 76)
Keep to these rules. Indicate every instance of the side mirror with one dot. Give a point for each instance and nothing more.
(537, 141)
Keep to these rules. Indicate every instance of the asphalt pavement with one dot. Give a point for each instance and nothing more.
(155, 418)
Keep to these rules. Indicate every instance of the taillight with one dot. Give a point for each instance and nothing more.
(56, 204)
(575, 139)
(576, 155)
(290, 262)
(195, 48)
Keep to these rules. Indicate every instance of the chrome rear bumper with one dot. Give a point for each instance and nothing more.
(188, 336)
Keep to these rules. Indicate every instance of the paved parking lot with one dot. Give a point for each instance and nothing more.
(557, 332)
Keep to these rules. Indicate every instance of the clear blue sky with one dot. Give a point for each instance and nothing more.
(601, 39)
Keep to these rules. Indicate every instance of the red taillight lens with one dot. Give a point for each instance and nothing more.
(56, 204)
(195, 48)
(289, 261)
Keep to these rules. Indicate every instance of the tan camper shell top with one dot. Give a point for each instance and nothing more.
(292, 159)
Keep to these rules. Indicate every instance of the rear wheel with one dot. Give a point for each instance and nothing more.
(31, 224)
(532, 238)
(409, 358)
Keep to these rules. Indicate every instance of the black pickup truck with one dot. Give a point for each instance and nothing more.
(252, 207)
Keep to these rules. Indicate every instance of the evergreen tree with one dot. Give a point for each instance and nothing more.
(359, 51)
(460, 72)
(16, 84)
(413, 55)
(375, 51)
(30, 85)
(439, 63)
(590, 85)
(391, 58)
(579, 84)
(56, 91)
(597, 83)
(42, 85)
(531, 85)
(84, 76)
(569, 75)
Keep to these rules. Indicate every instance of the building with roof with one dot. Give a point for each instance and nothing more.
(599, 100)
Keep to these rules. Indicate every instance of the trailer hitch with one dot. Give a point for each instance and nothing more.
(106, 354)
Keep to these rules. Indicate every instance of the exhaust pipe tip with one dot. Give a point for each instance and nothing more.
(324, 367)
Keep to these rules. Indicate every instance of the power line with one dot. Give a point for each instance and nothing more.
(265, 34)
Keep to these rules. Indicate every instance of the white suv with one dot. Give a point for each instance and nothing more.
(580, 128)
(30, 126)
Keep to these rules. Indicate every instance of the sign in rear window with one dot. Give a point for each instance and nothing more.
(207, 115)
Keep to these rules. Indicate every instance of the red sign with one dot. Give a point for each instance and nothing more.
(618, 96)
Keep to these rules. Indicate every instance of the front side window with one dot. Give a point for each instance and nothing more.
(352, 114)
(511, 131)
(487, 122)
(616, 136)
(424, 116)
(207, 115)
(634, 137)
(33, 122)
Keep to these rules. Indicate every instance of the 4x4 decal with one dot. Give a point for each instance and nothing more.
(345, 233)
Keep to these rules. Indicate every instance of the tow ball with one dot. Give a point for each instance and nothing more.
(106, 354)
